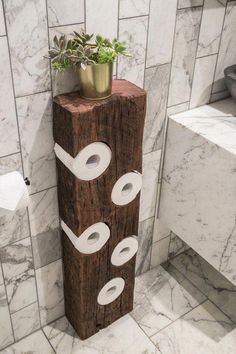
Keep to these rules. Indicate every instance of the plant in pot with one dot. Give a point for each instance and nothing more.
(91, 60)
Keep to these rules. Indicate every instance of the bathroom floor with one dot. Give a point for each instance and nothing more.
(183, 307)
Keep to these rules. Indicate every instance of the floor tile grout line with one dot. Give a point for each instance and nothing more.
(48, 340)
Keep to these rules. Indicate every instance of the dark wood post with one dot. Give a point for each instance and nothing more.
(117, 121)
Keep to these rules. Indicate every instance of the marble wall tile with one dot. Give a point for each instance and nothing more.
(67, 81)
(123, 337)
(131, 8)
(210, 32)
(10, 163)
(62, 12)
(134, 31)
(189, 3)
(102, 17)
(1, 275)
(185, 45)
(36, 343)
(162, 296)
(156, 85)
(149, 185)
(176, 246)
(206, 278)
(25, 321)
(203, 80)
(35, 124)
(160, 231)
(50, 292)
(161, 32)
(18, 271)
(2, 21)
(46, 248)
(205, 330)
(218, 96)
(6, 335)
(177, 108)
(9, 143)
(145, 246)
(28, 40)
(227, 51)
(160, 252)
(43, 211)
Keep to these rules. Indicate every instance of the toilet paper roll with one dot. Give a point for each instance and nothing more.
(126, 188)
(13, 192)
(90, 162)
(111, 291)
(91, 240)
(124, 251)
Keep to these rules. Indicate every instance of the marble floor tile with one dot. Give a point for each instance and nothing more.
(67, 12)
(204, 330)
(131, 8)
(185, 45)
(122, 337)
(35, 124)
(28, 42)
(162, 296)
(143, 257)
(36, 343)
(134, 31)
(9, 143)
(151, 163)
(50, 291)
(162, 19)
(102, 17)
(156, 85)
(46, 248)
(210, 32)
(25, 321)
(189, 3)
(216, 287)
(18, 271)
(6, 336)
(43, 211)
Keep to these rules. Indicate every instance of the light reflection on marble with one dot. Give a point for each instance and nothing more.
(227, 51)
(162, 296)
(162, 19)
(185, 45)
(134, 31)
(25, 321)
(67, 12)
(9, 143)
(123, 337)
(196, 201)
(156, 85)
(35, 124)
(6, 336)
(204, 330)
(131, 8)
(210, 32)
(17, 264)
(50, 291)
(28, 41)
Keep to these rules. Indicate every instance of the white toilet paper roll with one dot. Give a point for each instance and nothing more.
(91, 240)
(111, 291)
(13, 192)
(124, 251)
(126, 188)
(90, 162)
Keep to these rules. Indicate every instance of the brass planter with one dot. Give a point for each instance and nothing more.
(96, 81)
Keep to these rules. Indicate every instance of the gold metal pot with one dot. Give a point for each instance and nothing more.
(96, 81)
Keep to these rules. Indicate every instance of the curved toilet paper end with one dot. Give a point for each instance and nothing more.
(111, 291)
(126, 188)
(124, 251)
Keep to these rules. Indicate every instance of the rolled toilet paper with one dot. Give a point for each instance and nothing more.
(13, 192)
(111, 291)
(90, 162)
(124, 251)
(91, 240)
(126, 188)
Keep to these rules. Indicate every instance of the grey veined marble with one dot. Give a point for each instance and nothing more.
(198, 200)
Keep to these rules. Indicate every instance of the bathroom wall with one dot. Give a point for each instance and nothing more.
(178, 51)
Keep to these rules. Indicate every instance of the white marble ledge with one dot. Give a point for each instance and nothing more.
(218, 125)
